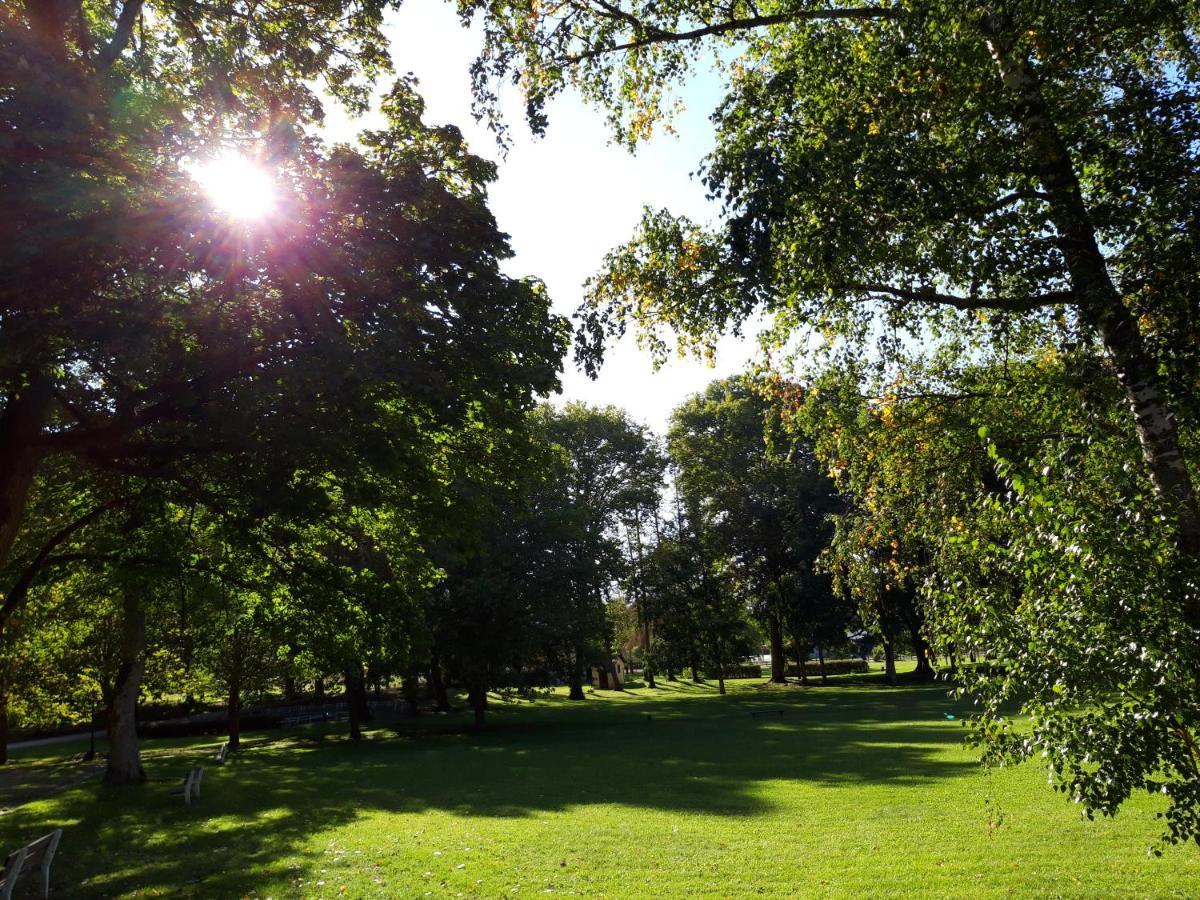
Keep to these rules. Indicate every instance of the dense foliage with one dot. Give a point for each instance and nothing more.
(979, 217)
(256, 423)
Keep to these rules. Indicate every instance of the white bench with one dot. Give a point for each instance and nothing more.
(191, 786)
(223, 754)
(39, 853)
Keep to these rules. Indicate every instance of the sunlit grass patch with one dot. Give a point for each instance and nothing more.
(857, 789)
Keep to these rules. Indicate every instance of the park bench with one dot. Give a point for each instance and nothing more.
(223, 754)
(191, 785)
(40, 853)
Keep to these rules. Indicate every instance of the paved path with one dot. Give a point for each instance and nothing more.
(58, 739)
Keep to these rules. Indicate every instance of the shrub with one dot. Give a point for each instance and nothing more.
(832, 667)
(741, 670)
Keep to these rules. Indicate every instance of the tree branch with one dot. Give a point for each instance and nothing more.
(16, 595)
(655, 35)
(120, 40)
(929, 296)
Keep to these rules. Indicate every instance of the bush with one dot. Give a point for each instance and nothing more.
(832, 667)
(742, 670)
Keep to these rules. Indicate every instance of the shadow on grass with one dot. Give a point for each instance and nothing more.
(698, 753)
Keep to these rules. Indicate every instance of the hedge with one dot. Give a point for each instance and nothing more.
(743, 670)
(832, 667)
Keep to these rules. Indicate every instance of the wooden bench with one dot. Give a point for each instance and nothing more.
(223, 754)
(191, 786)
(40, 853)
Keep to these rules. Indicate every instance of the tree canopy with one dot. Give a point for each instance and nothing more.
(965, 220)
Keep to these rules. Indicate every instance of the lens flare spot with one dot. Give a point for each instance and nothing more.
(237, 186)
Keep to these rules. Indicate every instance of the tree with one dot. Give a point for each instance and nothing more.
(174, 333)
(1036, 545)
(277, 374)
(518, 579)
(759, 489)
(612, 473)
(702, 615)
(112, 267)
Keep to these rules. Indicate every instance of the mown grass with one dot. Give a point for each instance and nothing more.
(857, 789)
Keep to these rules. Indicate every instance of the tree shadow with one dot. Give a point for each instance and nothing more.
(698, 753)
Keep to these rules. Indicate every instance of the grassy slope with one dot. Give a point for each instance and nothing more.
(854, 790)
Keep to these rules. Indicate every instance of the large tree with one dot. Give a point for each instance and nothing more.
(612, 472)
(142, 327)
(316, 376)
(759, 488)
(118, 291)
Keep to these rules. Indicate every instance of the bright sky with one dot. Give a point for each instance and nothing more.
(568, 198)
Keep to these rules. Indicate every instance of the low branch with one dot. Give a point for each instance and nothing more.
(18, 592)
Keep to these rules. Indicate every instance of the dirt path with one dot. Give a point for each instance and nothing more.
(43, 742)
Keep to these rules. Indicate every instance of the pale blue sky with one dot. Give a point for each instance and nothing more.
(569, 197)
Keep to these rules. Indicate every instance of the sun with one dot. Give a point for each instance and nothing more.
(237, 186)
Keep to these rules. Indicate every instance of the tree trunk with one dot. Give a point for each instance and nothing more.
(356, 701)
(821, 660)
(720, 673)
(438, 686)
(477, 695)
(411, 687)
(889, 659)
(353, 715)
(801, 661)
(21, 421)
(1097, 297)
(778, 657)
(289, 686)
(694, 662)
(647, 657)
(924, 671)
(319, 688)
(576, 679)
(3, 722)
(671, 674)
(124, 757)
(233, 710)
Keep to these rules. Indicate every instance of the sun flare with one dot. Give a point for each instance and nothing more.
(237, 186)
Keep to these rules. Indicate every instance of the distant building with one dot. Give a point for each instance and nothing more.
(612, 676)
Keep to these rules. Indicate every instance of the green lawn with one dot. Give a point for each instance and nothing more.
(856, 790)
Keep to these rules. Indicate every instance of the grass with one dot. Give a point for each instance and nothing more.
(857, 789)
